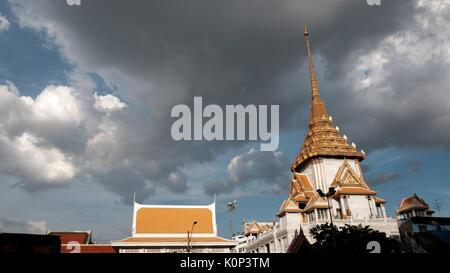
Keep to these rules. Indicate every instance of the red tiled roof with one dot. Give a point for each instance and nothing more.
(92, 248)
(75, 236)
(412, 202)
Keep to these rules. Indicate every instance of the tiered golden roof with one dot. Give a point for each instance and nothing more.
(322, 138)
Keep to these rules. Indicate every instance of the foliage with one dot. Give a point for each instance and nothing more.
(351, 239)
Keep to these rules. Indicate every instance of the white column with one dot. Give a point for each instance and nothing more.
(315, 214)
(333, 208)
(275, 241)
(383, 210)
(343, 211)
(317, 181)
(372, 206)
(322, 175)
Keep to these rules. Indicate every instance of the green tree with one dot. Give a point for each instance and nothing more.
(351, 239)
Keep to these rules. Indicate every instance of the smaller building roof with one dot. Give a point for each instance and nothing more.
(413, 202)
(92, 248)
(81, 237)
(174, 225)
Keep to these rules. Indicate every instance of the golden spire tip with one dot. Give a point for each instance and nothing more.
(306, 31)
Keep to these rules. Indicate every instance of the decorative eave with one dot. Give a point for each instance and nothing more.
(316, 202)
(288, 206)
(174, 242)
(354, 191)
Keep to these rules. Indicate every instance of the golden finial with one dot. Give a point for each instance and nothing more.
(306, 31)
(312, 72)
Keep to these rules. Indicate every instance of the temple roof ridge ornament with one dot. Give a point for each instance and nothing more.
(322, 138)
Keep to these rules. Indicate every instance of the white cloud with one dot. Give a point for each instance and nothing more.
(34, 163)
(24, 154)
(47, 164)
(4, 23)
(108, 103)
(57, 103)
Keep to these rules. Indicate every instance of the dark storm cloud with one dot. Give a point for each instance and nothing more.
(263, 168)
(227, 51)
(414, 165)
(161, 53)
(365, 168)
(212, 187)
(383, 177)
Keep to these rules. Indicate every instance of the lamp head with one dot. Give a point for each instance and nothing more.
(331, 191)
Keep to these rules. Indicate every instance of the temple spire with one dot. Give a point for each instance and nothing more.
(322, 138)
(312, 73)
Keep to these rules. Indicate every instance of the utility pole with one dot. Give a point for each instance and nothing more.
(437, 205)
(328, 195)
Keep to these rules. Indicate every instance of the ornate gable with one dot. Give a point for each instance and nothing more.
(288, 205)
(347, 181)
(346, 176)
(254, 228)
(316, 202)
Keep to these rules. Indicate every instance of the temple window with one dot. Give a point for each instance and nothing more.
(379, 211)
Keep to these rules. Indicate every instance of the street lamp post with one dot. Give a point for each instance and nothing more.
(190, 236)
(231, 206)
(328, 195)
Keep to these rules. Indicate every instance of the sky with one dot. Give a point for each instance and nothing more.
(86, 93)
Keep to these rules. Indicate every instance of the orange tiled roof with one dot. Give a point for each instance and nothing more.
(355, 190)
(165, 220)
(303, 180)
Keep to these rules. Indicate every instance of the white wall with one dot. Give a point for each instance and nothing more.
(322, 171)
(359, 206)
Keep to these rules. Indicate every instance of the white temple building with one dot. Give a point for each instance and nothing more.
(326, 162)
